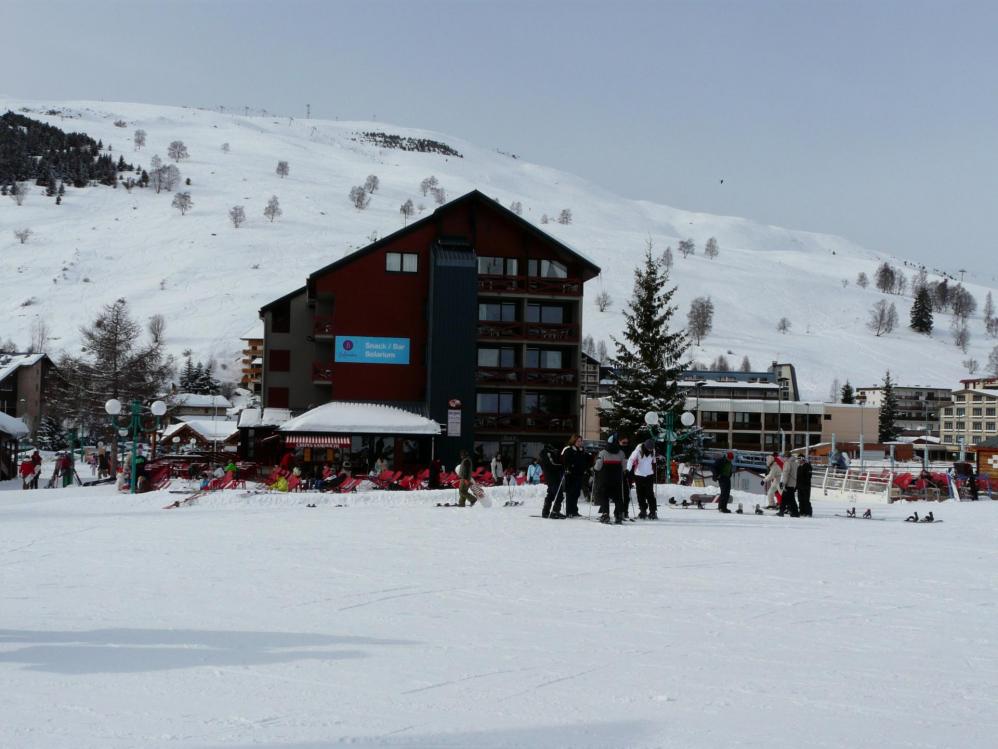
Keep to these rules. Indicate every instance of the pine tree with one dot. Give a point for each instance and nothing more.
(51, 435)
(921, 311)
(848, 396)
(888, 412)
(187, 378)
(650, 358)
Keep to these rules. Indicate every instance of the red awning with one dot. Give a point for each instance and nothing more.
(316, 440)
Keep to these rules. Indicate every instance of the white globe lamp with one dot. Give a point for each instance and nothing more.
(651, 419)
(687, 419)
(113, 407)
(158, 408)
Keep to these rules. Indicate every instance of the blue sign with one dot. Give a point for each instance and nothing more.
(366, 350)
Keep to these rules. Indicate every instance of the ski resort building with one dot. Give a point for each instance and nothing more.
(12, 430)
(22, 382)
(251, 371)
(973, 416)
(470, 316)
(917, 407)
(779, 382)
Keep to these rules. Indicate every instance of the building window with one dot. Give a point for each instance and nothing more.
(280, 318)
(948, 425)
(976, 440)
(961, 411)
(549, 314)
(497, 312)
(547, 269)
(494, 403)
(961, 425)
(976, 426)
(280, 360)
(989, 426)
(989, 412)
(544, 359)
(401, 262)
(277, 397)
(546, 403)
(744, 420)
(504, 357)
(978, 398)
(976, 412)
(497, 266)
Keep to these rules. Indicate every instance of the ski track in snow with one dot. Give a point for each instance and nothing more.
(250, 621)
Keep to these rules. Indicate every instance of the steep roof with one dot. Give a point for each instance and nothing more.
(10, 363)
(197, 400)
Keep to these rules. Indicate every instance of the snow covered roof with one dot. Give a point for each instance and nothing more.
(267, 417)
(10, 363)
(12, 426)
(207, 429)
(254, 332)
(340, 417)
(196, 400)
(728, 384)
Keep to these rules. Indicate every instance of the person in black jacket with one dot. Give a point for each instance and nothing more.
(575, 463)
(723, 469)
(550, 460)
(609, 484)
(804, 487)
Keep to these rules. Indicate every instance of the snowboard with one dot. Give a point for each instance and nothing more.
(182, 502)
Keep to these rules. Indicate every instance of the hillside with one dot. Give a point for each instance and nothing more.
(208, 279)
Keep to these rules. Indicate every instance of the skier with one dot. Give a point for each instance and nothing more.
(788, 487)
(575, 463)
(534, 472)
(722, 474)
(804, 486)
(464, 470)
(609, 482)
(554, 476)
(642, 465)
(772, 479)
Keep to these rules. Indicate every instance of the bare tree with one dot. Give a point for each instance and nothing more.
(710, 250)
(237, 216)
(164, 177)
(372, 183)
(700, 318)
(720, 364)
(883, 318)
(39, 336)
(836, 392)
(783, 326)
(282, 169)
(516, 207)
(746, 365)
(157, 326)
(273, 208)
(545, 219)
(885, 277)
(22, 235)
(601, 352)
(961, 336)
(589, 345)
(19, 191)
(919, 280)
(225, 147)
(993, 362)
(687, 247)
(900, 282)
(862, 280)
(971, 365)
(438, 195)
(359, 197)
(667, 261)
(845, 282)
(989, 308)
(604, 301)
(565, 217)
(182, 202)
(962, 303)
(177, 150)
(139, 139)
(991, 326)
(427, 184)
(406, 209)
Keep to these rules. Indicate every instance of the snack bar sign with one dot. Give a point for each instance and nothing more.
(367, 350)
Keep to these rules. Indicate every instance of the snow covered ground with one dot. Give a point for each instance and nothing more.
(251, 621)
(209, 279)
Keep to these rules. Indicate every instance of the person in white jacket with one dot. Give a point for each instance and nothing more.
(772, 479)
(641, 464)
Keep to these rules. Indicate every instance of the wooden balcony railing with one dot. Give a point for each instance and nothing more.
(530, 285)
(531, 331)
(536, 422)
(322, 371)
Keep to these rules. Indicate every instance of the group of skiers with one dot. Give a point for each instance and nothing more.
(788, 484)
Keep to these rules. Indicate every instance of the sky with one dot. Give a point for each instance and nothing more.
(873, 120)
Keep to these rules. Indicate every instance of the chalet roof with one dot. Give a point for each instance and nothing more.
(11, 426)
(10, 363)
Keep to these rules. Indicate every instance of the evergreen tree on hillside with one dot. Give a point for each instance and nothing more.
(848, 396)
(187, 376)
(650, 358)
(921, 311)
(51, 435)
(887, 428)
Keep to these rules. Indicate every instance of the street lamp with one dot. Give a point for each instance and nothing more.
(113, 408)
(652, 420)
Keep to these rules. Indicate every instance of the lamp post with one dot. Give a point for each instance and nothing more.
(667, 434)
(113, 409)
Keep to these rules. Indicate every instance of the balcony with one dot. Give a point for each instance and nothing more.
(322, 373)
(529, 331)
(534, 377)
(530, 285)
(322, 326)
(536, 422)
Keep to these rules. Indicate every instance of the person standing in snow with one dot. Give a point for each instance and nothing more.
(772, 479)
(789, 487)
(641, 465)
(534, 472)
(498, 474)
(804, 486)
(610, 483)
(575, 462)
(723, 469)
(554, 476)
(464, 471)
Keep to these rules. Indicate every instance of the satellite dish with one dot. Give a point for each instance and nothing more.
(688, 419)
(651, 418)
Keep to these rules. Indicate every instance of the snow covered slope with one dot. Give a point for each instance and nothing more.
(209, 279)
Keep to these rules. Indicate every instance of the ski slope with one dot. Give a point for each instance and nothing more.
(251, 621)
(209, 279)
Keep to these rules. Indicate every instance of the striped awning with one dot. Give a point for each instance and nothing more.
(316, 440)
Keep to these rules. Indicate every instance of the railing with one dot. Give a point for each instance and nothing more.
(526, 422)
(531, 331)
(322, 371)
(322, 325)
(529, 376)
(530, 285)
